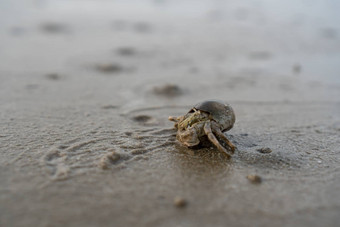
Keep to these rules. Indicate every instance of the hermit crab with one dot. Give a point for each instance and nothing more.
(206, 120)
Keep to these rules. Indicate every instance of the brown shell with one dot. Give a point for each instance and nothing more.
(220, 112)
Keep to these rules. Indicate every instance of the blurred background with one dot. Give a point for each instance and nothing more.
(252, 50)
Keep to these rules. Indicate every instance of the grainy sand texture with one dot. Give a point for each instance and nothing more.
(86, 88)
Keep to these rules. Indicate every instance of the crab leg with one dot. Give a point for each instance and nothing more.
(212, 138)
(220, 134)
(176, 120)
(171, 118)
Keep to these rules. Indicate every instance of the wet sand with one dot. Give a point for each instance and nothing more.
(86, 89)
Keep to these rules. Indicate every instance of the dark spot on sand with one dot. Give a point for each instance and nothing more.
(52, 76)
(255, 179)
(142, 27)
(296, 68)
(62, 146)
(145, 120)
(168, 90)
(107, 107)
(142, 118)
(109, 68)
(260, 55)
(126, 51)
(264, 150)
(295, 131)
(53, 28)
(193, 70)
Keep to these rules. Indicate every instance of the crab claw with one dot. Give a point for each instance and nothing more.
(171, 118)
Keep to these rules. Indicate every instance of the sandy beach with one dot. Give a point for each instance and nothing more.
(86, 88)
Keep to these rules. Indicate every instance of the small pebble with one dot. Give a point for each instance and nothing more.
(107, 160)
(265, 150)
(180, 202)
(255, 179)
